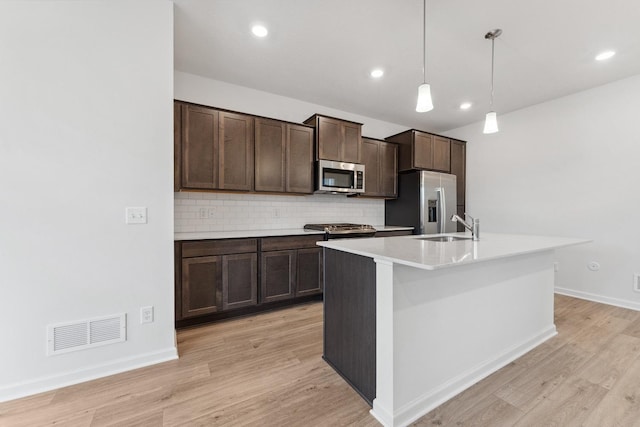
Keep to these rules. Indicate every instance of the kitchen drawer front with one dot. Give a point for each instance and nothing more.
(218, 247)
(290, 242)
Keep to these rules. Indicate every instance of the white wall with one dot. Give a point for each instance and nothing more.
(215, 93)
(86, 106)
(298, 209)
(568, 167)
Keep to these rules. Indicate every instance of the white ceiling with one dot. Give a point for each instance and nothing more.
(322, 51)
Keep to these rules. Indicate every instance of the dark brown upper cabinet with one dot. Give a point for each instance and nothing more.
(270, 155)
(336, 139)
(216, 149)
(299, 161)
(441, 153)
(458, 168)
(422, 150)
(283, 157)
(177, 150)
(380, 159)
(235, 148)
(199, 147)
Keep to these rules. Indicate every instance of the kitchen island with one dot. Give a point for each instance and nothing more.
(410, 323)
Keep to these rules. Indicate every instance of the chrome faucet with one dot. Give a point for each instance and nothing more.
(474, 227)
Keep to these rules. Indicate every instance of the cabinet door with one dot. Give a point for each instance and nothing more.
(177, 146)
(270, 155)
(309, 280)
(458, 168)
(201, 285)
(299, 159)
(278, 275)
(422, 150)
(199, 147)
(371, 162)
(329, 139)
(235, 148)
(239, 280)
(460, 211)
(351, 143)
(388, 170)
(441, 154)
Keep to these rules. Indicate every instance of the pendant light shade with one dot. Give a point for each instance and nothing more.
(491, 123)
(424, 98)
(424, 103)
(491, 120)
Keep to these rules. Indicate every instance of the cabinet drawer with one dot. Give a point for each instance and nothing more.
(290, 242)
(218, 247)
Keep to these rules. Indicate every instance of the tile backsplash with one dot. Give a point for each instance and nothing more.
(230, 212)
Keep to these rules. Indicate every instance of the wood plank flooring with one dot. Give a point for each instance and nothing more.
(266, 370)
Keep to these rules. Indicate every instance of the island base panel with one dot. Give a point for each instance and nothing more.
(350, 319)
(450, 328)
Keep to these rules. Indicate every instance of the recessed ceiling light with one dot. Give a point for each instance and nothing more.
(259, 31)
(605, 55)
(377, 73)
(465, 105)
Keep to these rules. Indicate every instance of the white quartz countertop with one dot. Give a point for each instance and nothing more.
(427, 255)
(240, 234)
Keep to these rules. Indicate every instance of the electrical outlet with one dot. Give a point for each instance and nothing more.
(636, 282)
(203, 213)
(212, 212)
(146, 314)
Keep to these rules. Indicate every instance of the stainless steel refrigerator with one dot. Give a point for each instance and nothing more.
(426, 201)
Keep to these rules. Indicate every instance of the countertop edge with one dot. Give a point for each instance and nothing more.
(242, 234)
(338, 245)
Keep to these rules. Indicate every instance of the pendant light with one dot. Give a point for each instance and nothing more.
(491, 120)
(424, 90)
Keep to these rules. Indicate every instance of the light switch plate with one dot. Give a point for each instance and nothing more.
(136, 215)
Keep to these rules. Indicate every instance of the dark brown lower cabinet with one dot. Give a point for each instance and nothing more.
(216, 279)
(309, 269)
(239, 280)
(278, 275)
(290, 267)
(214, 283)
(201, 285)
(216, 275)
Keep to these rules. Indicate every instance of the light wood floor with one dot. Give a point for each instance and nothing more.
(266, 370)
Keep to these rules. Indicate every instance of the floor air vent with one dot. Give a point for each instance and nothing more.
(72, 336)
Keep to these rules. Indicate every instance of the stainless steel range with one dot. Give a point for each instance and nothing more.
(343, 231)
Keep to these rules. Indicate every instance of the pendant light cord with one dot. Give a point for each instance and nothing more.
(424, 42)
(493, 40)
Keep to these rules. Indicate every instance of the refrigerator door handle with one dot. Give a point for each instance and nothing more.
(442, 210)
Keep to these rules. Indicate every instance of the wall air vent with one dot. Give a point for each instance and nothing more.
(88, 333)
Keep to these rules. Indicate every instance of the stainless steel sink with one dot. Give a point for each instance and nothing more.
(444, 238)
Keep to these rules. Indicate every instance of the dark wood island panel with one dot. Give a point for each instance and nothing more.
(350, 319)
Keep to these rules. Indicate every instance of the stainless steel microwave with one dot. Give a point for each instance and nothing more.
(340, 177)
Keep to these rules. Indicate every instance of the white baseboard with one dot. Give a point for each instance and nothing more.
(434, 398)
(40, 385)
(631, 305)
